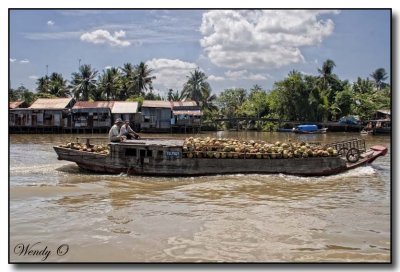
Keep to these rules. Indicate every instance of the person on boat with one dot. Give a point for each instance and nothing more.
(127, 131)
(114, 133)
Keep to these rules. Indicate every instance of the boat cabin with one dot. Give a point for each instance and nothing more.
(146, 151)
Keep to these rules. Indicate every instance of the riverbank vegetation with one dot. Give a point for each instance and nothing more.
(298, 97)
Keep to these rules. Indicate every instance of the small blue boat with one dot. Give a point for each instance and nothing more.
(309, 129)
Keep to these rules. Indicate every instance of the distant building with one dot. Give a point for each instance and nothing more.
(126, 111)
(44, 112)
(170, 115)
(17, 105)
(156, 115)
(186, 114)
(92, 114)
(383, 114)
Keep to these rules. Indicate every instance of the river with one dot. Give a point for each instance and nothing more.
(82, 217)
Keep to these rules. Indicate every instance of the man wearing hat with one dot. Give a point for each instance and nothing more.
(127, 131)
(114, 135)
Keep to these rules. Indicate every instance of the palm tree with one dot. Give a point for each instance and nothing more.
(83, 82)
(58, 86)
(379, 75)
(142, 78)
(43, 84)
(326, 72)
(128, 80)
(208, 101)
(110, 83)
(196, 86)
(177, 96)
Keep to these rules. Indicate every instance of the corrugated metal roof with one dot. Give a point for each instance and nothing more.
(124, 107)
(156, 104)
(93, 104)
(15, 104)
(188, 112)
(50, 103)
(184, 103)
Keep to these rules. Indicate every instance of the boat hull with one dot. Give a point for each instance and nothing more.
(318, 166)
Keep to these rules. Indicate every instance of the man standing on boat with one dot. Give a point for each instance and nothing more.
(127, 131)
(114, 133)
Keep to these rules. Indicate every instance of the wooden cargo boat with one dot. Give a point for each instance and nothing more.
(166, 158)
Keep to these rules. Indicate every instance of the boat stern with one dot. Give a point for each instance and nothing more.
(380, 149)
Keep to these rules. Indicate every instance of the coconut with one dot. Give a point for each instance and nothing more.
(223, 155)
(330, 150)
(217, 155)
(258, 155)
(190, 155)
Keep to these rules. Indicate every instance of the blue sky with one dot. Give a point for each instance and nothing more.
(235, 48)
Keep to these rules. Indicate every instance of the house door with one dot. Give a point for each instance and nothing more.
(90, 121)
(56, 119)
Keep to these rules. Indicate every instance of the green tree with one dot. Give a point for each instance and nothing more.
(83, 83)
(128, 83)
(21, 94)
(175, 96)
(230, 100)
(151, 96)
(58, 86)
(143, 80)
(379, 76)
(293, 97)
(363, 86)
(196, 86)
(110, 84)
(344, 101)
(42, 84)
(208, 101)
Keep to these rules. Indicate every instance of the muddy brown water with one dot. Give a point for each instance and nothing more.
(60, 214)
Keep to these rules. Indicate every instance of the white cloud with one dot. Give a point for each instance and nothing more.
(50, 23)
(13, 60)
(244, 74)
(261, 38)
(33, 77)
(24, 61)
(215, 78)
(170, 73)
(101, 36)
(236, 74)
(256, 77)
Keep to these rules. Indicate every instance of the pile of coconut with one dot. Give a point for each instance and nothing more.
(100, 149)
(232, 148)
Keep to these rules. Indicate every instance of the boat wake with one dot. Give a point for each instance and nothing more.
(359, 172)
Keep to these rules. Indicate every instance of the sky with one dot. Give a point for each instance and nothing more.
(234, 48)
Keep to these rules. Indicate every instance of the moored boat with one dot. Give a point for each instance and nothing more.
(170, 157)
(309, 129)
